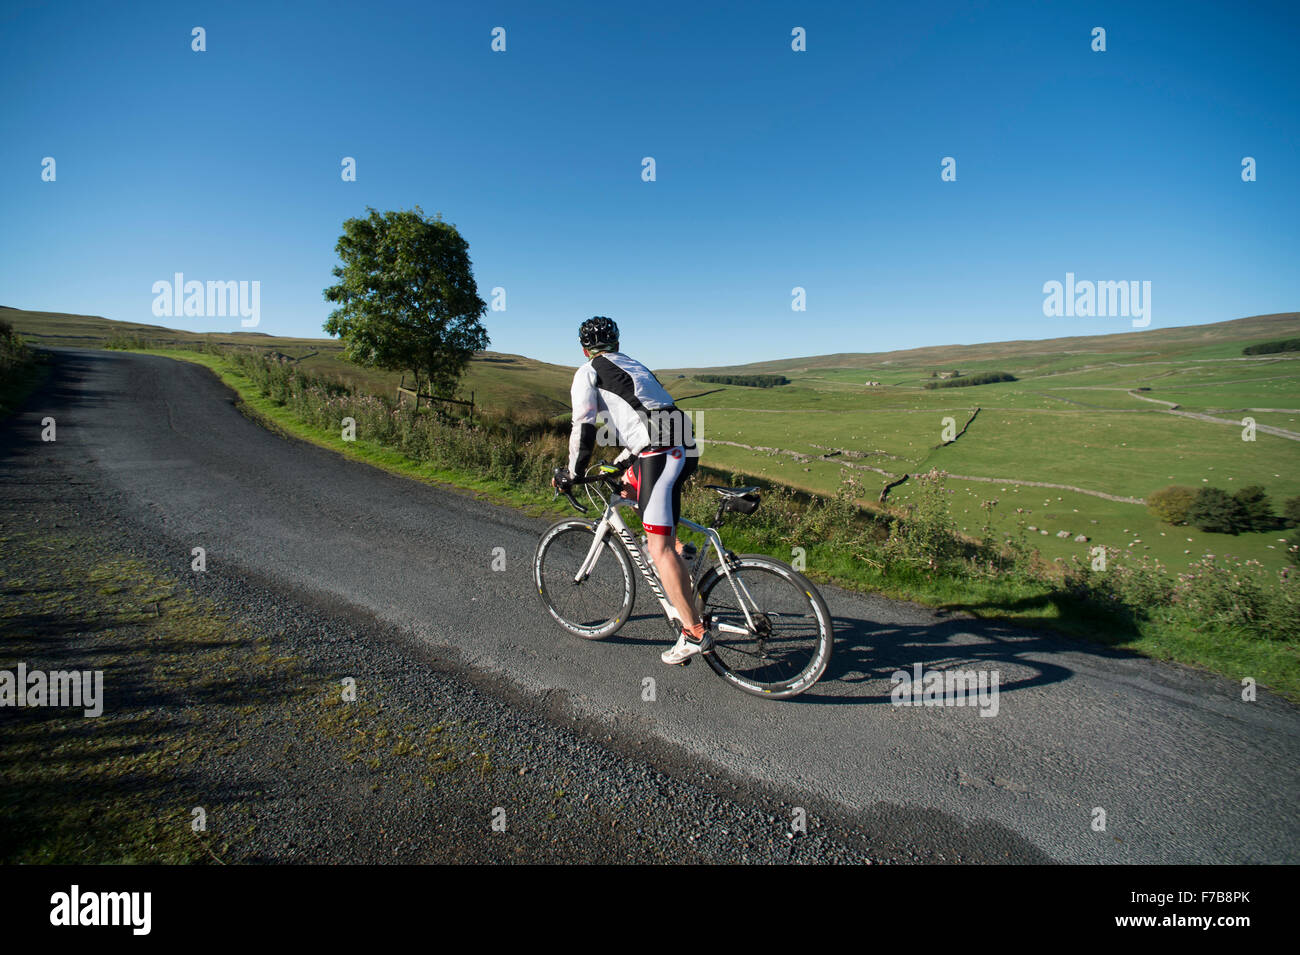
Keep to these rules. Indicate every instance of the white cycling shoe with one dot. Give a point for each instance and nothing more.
(685, 648)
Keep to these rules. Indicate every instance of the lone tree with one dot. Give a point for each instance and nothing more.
(407, 297)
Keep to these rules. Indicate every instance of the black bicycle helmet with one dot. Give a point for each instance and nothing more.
(598, 332)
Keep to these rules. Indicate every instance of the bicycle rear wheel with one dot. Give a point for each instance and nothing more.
(781, 646)
(599, 604)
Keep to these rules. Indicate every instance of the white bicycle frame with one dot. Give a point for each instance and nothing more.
(613, 520)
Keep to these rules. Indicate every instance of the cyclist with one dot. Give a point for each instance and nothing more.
(658, 441)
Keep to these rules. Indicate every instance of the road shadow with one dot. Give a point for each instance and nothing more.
(867, 653)
(63, 389)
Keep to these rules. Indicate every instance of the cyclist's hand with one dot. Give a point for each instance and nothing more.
(562, 480)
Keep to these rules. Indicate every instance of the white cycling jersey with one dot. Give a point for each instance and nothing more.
(638, 408)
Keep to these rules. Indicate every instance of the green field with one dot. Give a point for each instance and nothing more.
(1074, 417)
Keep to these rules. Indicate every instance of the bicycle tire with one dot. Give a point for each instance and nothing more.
(775, 668)
(560, 552)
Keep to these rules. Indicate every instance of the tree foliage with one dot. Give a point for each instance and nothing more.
(1215, 511)
(407, 297)
(12, 350)
(1172, 504)
(1271, 348)
(752, 381)
(1291, 518)
(979, 378)
(1291, 511)
(1257, 509)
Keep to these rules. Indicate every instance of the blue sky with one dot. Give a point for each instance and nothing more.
(775, 169)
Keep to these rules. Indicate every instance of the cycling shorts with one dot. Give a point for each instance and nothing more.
(657, 476)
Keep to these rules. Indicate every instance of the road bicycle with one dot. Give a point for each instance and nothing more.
(773, 634)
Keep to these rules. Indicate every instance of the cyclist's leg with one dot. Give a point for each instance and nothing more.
(692, 462)
(659, 501)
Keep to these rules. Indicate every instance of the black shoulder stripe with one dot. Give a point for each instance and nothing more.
(611, 378)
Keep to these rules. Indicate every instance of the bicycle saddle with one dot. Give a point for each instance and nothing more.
(732, 491)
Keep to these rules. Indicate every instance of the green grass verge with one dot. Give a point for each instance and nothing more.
(19, 382)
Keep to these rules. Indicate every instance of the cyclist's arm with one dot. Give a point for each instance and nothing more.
(586, 402)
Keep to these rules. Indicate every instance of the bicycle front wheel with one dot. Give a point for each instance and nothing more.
(599, 603)
(773, 632)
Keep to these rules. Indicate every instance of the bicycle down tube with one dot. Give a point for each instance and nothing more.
(612, 519)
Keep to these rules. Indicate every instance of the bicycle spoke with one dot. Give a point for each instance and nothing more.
(785, 639)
